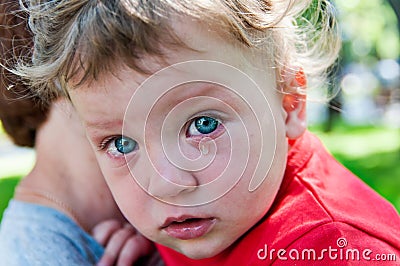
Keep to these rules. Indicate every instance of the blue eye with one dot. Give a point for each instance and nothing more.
(125, 145)
(203, 125)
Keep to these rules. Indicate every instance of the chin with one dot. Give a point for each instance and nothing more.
(197, 251)
(203, 254)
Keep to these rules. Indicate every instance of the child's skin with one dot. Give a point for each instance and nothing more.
(161, 209)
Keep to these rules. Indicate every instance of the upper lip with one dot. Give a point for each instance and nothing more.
(181, 218)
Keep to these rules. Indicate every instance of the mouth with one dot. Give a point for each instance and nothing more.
(186, 228)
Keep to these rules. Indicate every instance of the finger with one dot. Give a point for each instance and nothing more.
(134, 248)
(115, 245)
(104, 230)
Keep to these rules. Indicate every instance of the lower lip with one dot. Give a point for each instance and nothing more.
(190, 229)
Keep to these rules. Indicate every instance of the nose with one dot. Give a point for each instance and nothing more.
(168, 180)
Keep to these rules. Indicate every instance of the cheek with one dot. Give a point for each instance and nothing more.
(134, 203)
(238, 154)
(219, 158)
(129, 196)
(265, 194)
(238, 200)
(132, 200)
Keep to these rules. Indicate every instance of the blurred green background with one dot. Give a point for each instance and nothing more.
(360, 126)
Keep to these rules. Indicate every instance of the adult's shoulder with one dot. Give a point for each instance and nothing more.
(44, 236)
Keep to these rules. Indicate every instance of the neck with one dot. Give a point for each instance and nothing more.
(87, 203)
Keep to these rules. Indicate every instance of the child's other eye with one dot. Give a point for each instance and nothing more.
(202, 126)
(120, 145)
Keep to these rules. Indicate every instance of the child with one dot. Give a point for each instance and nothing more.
(196, 113)
(64, 198)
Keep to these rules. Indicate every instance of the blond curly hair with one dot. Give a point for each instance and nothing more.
(91, 37)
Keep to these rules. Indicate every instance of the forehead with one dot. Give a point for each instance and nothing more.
(193, 39)
(206, 45)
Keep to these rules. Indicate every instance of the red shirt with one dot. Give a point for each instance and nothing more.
(323, 214)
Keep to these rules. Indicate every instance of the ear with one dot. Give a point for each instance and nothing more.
(294, 102)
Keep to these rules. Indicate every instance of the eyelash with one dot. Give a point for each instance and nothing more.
(105, 142)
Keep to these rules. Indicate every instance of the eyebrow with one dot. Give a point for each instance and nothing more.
(104, 124)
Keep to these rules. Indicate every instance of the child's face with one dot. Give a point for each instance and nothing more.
(186, 172)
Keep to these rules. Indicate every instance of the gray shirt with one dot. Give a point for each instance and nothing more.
(32, 234)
